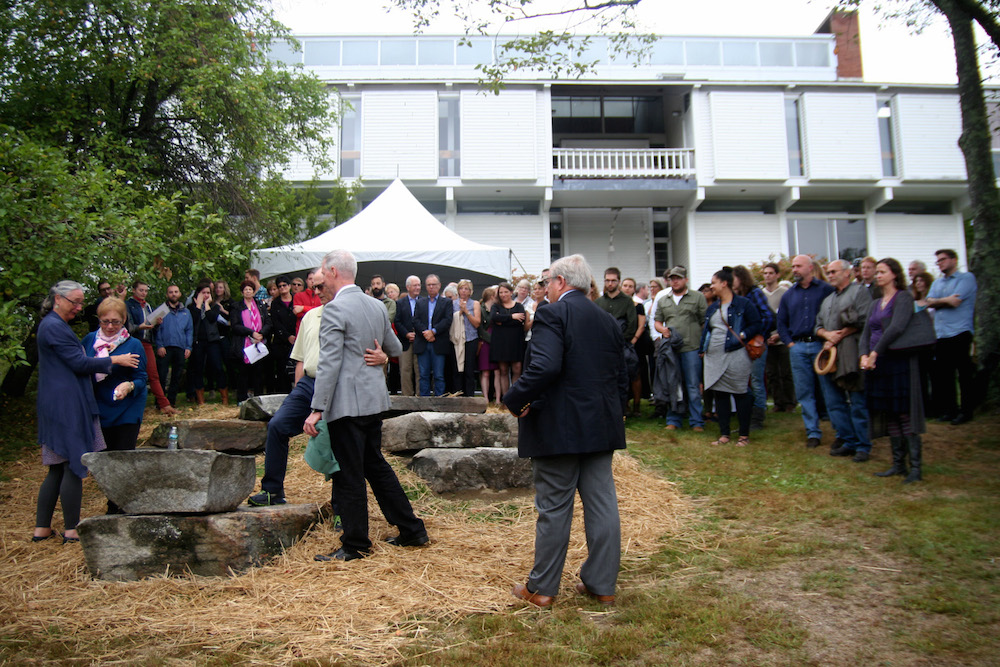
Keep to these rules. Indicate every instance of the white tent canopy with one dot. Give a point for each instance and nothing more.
(394, 230)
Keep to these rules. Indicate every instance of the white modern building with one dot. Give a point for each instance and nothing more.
(714, 150)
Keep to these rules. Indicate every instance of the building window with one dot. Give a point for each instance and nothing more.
(350, 138)
(828, 238)
(449, 133)
(885, 138)
(793, 133)
(607, 115)
(555, 241)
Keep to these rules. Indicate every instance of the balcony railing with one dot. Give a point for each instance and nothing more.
(623, 162)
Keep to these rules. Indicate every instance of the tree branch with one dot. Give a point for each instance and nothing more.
(986, 19)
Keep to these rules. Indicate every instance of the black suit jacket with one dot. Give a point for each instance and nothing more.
(404, 321)
(439, 321)
(573, 379)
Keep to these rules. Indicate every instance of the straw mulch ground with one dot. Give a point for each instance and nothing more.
(294, 608)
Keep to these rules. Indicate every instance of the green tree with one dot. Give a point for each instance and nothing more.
(178, 94)
(144, 138)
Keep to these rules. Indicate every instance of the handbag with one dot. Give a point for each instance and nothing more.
(920, 333)
(755, 347)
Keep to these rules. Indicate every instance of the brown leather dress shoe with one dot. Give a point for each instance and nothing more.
(544, 601)
(606, 600)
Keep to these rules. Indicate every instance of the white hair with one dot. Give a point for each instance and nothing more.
(575, 270)
(61, 288)
(341, 260)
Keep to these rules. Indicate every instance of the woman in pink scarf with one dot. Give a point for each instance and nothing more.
(120, 394)
(249, 325)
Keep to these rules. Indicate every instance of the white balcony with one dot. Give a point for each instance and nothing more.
(623, 162)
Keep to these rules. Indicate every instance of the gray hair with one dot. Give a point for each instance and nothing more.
(841, 264)
(410, 279)
(343, 261)
(61, 288)
(575, 270)
(920, 265)
(451, 291)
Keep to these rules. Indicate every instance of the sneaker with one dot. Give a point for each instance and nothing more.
(264, 498)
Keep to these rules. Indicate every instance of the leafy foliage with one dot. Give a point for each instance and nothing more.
(148, 139)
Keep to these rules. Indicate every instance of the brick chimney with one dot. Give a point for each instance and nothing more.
(844, 26)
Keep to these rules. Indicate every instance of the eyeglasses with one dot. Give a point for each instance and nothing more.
(298, 284)
(280, 285)
(75, 303)
(111, 323)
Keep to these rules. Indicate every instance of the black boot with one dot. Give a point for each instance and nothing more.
(916, 452)
(757, 419)
(898, 458)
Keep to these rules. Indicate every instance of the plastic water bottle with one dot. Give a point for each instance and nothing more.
(172, 438)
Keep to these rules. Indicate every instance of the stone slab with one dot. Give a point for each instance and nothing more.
(447, 470)
(232, 436)
(158, 481)
(127, 548)
(261, 408)
(422, 430)
(401, 405)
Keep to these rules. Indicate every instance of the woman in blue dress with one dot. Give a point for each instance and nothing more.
(121, 394)
(68, 418)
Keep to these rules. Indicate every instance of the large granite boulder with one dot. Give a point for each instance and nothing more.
(447, 470)
(261, 408)
(232, 436)
(401, 405)
(421, 430)
(125, 548)
(158, 481)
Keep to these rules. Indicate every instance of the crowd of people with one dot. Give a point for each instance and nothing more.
(858, 344)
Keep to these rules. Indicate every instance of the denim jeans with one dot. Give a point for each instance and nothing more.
(848, 414)
(431, 363)
(691, 370)
(757, 381)
(801, 356)
(286, 423)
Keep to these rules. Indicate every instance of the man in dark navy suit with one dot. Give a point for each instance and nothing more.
(432, 322)
(409, 376)
(569, 400)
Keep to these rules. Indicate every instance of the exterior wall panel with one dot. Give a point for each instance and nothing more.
(524, 234)
(500, 139)
(701, 116)
(748, 133)
(910, 237)
(399, 134)
(590, 234)
(928, 131)
(840, 136)
(729, 239)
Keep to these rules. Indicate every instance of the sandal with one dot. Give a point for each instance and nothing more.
(743, 441)
(723, 440)
(36, 538)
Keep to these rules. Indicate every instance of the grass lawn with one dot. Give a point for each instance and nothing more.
(791, 557)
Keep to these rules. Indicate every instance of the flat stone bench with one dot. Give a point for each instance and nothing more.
(232, 436)
(157, 481)
(262, 408)
(122, 547)
(422, 430)
(448, 470)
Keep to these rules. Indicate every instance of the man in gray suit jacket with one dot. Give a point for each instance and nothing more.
(349, 395)
(569, 400)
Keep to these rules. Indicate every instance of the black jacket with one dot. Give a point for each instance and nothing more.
(239, 332)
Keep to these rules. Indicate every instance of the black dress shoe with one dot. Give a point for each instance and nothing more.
(861, 457)
(339, 554)
(812, 442)
(843, 450)
(414, 541)
(961, 418)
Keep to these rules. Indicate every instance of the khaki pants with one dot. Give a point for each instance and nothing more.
(409, 373)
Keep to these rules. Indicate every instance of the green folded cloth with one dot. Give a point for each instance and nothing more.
(319, 454)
